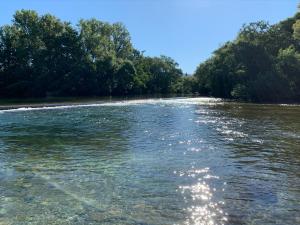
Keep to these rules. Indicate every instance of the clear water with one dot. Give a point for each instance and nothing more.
(158, 161)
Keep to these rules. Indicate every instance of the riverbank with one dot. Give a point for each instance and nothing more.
(37, 103)
(8, 104)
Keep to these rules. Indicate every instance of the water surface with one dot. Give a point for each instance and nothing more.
(149, 162)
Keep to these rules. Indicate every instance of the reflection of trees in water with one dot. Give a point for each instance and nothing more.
(57, 135)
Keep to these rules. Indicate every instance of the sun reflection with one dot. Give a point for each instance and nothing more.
(202, 208)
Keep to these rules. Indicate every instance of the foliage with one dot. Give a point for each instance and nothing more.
(262, 64)
(43, 56)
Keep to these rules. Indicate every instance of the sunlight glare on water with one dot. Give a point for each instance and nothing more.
(185, 161)
(203, 210)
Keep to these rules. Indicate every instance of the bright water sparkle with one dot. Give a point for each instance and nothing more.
(158, 161)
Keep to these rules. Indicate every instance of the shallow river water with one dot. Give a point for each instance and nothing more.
(182, 161)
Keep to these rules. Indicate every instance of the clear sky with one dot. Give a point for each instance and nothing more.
(186, 30)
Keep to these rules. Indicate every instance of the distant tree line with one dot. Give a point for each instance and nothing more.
(262, 64)
(43, 56)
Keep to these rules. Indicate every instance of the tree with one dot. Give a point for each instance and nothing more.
(296, 28)
(260, 65)
(125, 78)
(121, 41)
(288, 64)
(43, 56)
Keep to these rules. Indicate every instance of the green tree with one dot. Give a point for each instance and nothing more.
(125, 78)
(261, 64)
(296, 28)
(288, 63)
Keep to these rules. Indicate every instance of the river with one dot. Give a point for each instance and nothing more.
(183, 161)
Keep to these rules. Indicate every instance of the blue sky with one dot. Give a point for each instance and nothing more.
(186, 30)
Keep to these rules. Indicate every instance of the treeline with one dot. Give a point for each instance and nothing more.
(43, 56)
(262, 64)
